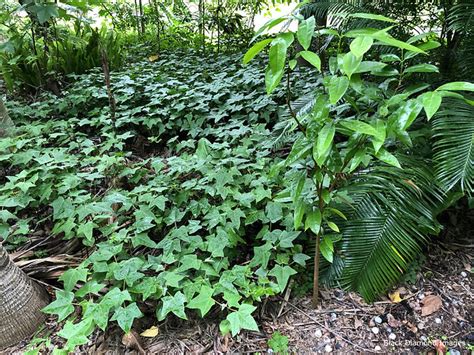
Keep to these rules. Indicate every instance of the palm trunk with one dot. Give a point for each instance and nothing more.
(21, 301)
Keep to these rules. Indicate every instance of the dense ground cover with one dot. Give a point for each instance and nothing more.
(182, 228)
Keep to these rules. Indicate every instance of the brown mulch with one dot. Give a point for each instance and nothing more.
(342, 323)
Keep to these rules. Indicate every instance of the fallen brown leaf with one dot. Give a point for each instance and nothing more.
(431, 304)
(357, 323)
(392, 321)
(131, 341)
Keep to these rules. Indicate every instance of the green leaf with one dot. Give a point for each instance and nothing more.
(282, 274)
(126, 315)
(360, 45)
(384, 37)
(143, 239)
(268, 25)
(72, 276)
(388, 158)
(312, 58)
(359, 127)
(127, 270)
(242, 319)
(45, 12)
(305, 32)
(337, 87)
(90, 287)
(86, 229)
(457, 86)
(62, 306)
(408, 113)
(431, 102)
(350, 63)
(115, 297)
(324, 142)
(174, 304)
(77, 333)
(313, 221)
(327, 248)
(298, 214)
(333, 226)
(274, 211)
(422, 68)
(372, 17)
(203, 302)
(255, 49)
(370, 66)
(272, 79)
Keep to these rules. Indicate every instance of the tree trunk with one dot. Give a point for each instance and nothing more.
(6, 124)
(21, 301)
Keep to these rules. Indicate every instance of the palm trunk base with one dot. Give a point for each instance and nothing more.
(21, 301)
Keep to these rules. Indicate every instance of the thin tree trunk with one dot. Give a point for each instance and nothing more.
(6, 124)
(21, 301)
(137, 20)
(110, 94)
(142, 18)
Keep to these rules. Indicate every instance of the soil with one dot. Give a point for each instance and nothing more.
(343, 322)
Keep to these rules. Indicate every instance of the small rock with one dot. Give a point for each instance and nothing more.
(392, 336)
(438, 320)
(377, 348)
(421, 296)
(388, 329)
(454, 352)
(378, 320)
(333, 316)
(464, 274)
(423, 338)
(318, 333)
(421, 325)
(375, 330)
(328, 348)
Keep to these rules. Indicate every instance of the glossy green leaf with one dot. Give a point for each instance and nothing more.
(388, 158)
(313, 221)
(431, 102)
(361, 45)
(333, 226)
(312, 58)
(359, 127)
(351, 63)
(337, 87)
(305, 32)
(371, 17)
(327, 248)
(255, 49)
(422, 68)
(457, 86)
(324, 142)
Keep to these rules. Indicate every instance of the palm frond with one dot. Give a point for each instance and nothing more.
(454, 145)
(389, 219)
